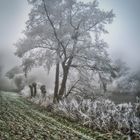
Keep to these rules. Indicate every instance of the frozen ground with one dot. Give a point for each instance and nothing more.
(20, 119)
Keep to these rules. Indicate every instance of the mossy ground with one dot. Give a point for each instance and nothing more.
(22, 120)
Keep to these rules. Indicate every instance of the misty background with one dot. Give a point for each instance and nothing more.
(123, 37)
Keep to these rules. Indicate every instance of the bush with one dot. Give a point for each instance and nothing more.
(101, 114)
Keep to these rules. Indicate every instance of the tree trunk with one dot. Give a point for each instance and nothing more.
(66, 66)
(34, 85)
(56, 88)
(63, 84)
(31, 90)
(65, 76)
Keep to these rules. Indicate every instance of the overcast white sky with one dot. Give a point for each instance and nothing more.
(123, 37)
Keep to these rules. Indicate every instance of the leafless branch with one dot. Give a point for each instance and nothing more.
(72, 87)
(51, 23)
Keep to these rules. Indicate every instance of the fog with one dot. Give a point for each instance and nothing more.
(123, 37)
(72, 67)
(12, 23)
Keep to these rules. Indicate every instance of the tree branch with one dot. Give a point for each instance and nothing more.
(51, 23)
(72, 87)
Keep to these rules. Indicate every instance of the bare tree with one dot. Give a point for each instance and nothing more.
(61, 32)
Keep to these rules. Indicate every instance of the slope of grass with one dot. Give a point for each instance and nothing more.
(22, 120)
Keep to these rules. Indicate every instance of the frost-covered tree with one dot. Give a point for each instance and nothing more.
(121, 81)
(133, 80)
(136, 80)
(129, 83)
(66, 33)
(16, 75)
(27, 65)
(121, 68)
(13, 71)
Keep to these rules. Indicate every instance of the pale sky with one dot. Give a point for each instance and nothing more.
(13, 15)
(123, 37)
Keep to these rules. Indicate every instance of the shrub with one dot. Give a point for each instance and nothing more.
(101, 114)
